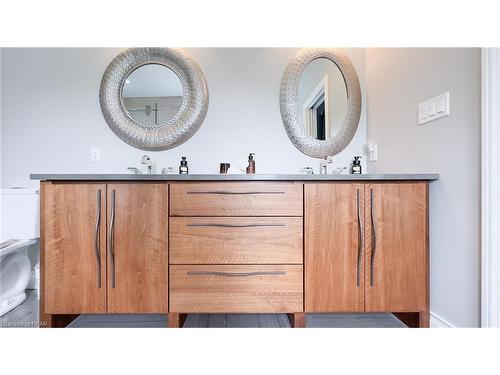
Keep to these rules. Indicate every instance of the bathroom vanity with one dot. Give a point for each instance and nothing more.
(180, 244)
(295, 244)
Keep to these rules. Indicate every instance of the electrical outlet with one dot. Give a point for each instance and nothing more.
(95, 153)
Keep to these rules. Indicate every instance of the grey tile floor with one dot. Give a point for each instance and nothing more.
(241, 321)
(26, 315)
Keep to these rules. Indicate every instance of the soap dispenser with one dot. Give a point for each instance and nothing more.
(183, 168)
(356, 165)
(251, 164)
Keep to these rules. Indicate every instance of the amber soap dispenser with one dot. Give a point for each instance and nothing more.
(251, 164)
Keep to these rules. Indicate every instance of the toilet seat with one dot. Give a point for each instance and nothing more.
(16, 245)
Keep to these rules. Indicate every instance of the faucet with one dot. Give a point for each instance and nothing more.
(323, 163)
(146, 160)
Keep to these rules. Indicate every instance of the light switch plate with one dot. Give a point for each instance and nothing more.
(372, 151)
(434, 108)
(95, 153)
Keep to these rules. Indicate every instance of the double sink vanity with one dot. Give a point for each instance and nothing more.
(180, 244)
(295, 244)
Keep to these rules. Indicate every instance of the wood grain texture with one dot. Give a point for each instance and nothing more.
(236, 199)
(297, 320)
(236, 240)
(69, 264)
(424, 319)
(140, 247)
(238, 294)
(400, 266)
(332, 239)
(44, 317)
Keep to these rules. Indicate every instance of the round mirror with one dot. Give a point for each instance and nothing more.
(153, 98)
(322, 99)
(152, 95)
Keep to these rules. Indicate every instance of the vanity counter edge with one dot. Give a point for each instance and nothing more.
(236, 177)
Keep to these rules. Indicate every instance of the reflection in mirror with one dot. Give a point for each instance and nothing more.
(152, 94)
(322, 98)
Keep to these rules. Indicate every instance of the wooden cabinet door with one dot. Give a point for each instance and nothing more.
(73, 250)
(396, 247)
(137, 248)
(333, 237)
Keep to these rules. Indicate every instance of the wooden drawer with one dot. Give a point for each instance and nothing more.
(236, 199)
(236, 289)
(235, 240)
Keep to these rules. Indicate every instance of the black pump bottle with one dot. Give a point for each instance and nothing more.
(183, 168)
(356, 165)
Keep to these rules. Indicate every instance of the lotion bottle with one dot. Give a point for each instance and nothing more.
(251, 164)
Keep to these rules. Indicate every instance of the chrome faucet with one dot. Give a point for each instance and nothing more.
(323, 163)
(146, 160)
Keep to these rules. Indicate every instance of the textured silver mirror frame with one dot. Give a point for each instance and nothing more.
(289, 103)
(180, 127)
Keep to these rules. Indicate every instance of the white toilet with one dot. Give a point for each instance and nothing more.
(19, 224)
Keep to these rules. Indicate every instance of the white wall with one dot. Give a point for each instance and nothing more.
(1, 117)
(52, 117)
(397, 80)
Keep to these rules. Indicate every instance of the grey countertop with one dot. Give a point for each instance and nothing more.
(235, 177)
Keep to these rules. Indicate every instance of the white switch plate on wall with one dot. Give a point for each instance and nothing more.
(434, 108)
(372, 151)
(95, 153)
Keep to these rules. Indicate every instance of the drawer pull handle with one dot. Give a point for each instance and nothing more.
(111, 249)
(97, 241)
(373, 238)
(236, 225)
(221, 192)
(235, 274)
(360, 240)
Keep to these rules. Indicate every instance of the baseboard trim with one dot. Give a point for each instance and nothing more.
(439, 322)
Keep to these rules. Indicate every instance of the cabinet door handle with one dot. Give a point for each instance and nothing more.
(373, 238)
(235, 274)
(236, 225)
(97, 247)
(221, 192)
(111, 250)
(360, 239)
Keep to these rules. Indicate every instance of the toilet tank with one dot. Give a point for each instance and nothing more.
(20, 213)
